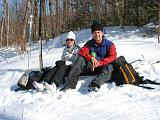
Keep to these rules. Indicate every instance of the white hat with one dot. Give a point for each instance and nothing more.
(71, 35)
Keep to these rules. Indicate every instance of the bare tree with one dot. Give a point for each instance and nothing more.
(25, 24)
(44, 19)
(7, 7)
(60, 16)
(57, 16)
(120, 10)
(159, 25)
(3, 21)
(35, 21)
(51, 27)
(2, 27)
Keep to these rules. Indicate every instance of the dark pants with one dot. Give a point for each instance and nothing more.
(57, 75)
(82, 67)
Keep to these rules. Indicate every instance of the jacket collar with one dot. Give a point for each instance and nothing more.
(102, 43)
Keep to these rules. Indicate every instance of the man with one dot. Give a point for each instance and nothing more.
(94, 59)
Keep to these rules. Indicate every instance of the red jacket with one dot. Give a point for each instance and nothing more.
(106, 52)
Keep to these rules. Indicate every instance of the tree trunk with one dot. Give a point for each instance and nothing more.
(43, 20)
(57, 17)
(159, 25)
(40, 35)
(23, 47)
(7, 13)
(3, 22)
(51, 26)
(35, 21)
(2, 26)
(120, 11)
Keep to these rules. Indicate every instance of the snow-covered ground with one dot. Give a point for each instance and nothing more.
(109, 103)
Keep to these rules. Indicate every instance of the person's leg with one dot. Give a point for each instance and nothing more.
(59, 75)
(103, 76)
(47, 77)
(79, 66)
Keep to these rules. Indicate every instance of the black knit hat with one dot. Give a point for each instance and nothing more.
(96, 26)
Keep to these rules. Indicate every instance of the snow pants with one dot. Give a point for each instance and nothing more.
(82, 67)
(57, 75)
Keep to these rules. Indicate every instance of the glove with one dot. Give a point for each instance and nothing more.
(60, 62)
(68, 62)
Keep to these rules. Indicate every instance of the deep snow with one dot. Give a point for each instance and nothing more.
(109, 103)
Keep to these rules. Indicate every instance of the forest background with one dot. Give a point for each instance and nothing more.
(22, 21)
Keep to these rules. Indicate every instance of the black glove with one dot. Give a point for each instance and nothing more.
(46, 69)
(60, 62)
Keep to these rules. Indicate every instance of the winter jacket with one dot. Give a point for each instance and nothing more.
(105, 53)
(70, 54)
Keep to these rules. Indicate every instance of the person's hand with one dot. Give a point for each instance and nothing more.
(60, 62)
(95, 63)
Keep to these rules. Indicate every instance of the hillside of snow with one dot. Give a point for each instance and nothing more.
(111, 102)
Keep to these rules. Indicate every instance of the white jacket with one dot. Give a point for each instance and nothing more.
(70, 54)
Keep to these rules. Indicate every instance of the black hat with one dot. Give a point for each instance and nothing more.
(96, 26)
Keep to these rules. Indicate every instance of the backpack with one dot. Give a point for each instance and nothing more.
(124, 73)
(27, 78)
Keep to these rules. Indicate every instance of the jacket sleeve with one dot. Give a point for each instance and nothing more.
(75, 54)
(63, 53)
(85, 52)
(110, 58)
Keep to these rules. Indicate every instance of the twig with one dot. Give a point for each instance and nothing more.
(156, 62)
(135, 61)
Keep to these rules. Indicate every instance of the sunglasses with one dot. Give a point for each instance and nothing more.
(69, 40)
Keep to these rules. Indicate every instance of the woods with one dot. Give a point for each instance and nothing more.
(59, 16)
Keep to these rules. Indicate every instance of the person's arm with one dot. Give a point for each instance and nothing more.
(64, 54)
(75, 54)
(85, 52)
(111, 57)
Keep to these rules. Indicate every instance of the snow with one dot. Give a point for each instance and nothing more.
(111, 102)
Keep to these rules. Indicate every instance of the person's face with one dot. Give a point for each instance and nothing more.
(69, 43)
(97, 35)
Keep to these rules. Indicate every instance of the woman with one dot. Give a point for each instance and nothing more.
(56, 76)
